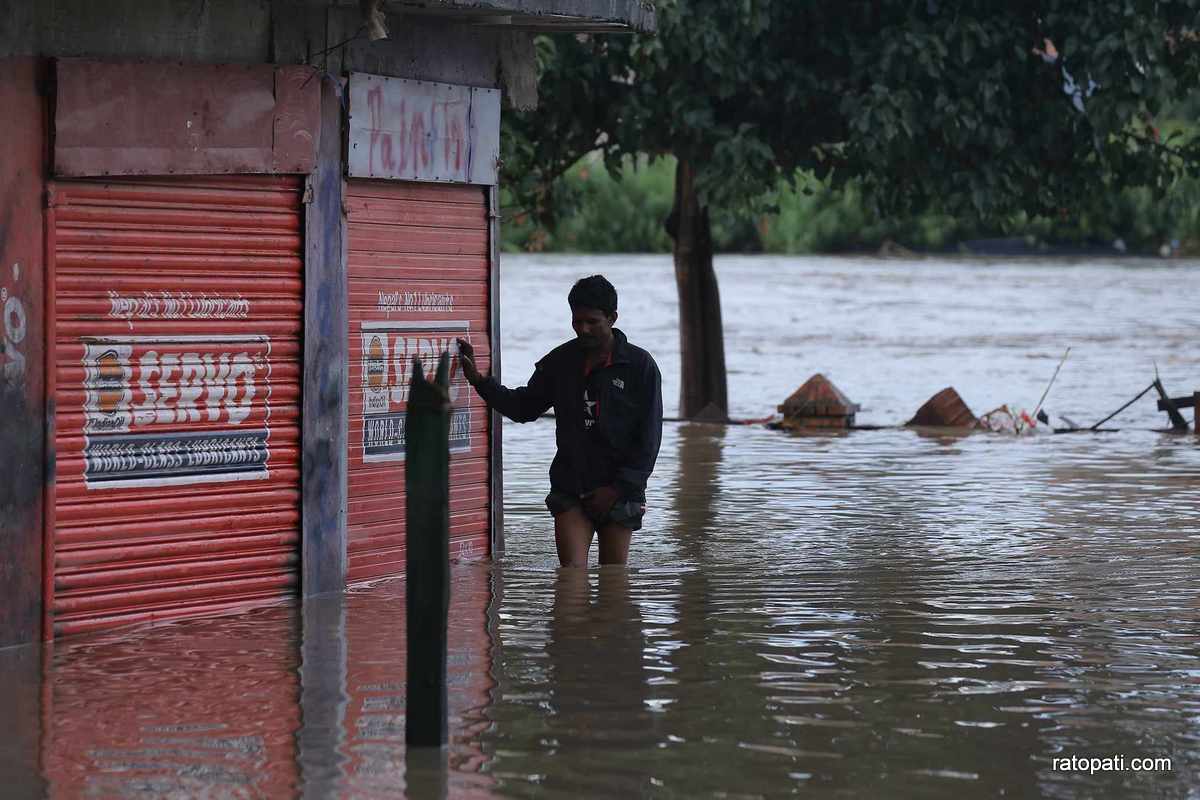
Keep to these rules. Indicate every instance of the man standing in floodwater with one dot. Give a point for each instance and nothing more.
(607, 399)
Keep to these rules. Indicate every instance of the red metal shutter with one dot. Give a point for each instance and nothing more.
(418, 270)
(178, 312)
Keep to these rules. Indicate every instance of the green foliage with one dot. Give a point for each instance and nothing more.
(621, 212)
(977, 110)
(602, 213)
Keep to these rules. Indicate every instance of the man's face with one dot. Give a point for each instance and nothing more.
(593, 327)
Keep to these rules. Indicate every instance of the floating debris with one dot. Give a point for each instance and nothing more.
(944, 410)
(817, 404)
(1176, 403)
(1171, 405)
(1003, 420)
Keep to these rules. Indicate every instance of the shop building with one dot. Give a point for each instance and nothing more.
(226, 229)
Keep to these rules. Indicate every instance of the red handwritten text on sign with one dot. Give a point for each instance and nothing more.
(416, 130)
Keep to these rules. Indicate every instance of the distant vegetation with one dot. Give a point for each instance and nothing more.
(603, 213)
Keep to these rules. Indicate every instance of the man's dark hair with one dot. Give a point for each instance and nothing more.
(594, 292)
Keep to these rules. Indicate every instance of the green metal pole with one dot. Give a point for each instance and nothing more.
(427, 486)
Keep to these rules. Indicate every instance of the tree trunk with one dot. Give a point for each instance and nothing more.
(703, 393)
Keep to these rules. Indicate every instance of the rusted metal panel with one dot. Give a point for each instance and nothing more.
(22, 351)
(178, 318)
(419, 279)
(297, 121)
(141, 118)
(421, 131)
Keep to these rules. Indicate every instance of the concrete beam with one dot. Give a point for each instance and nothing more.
(544, 15)
(418, 48)
(212, 31)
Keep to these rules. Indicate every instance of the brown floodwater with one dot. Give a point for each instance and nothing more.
(884, 613)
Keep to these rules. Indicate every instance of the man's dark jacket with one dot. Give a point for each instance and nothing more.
(608, 436)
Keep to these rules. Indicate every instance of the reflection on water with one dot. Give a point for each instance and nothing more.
(596, 684)
(20, 717)
(136, 716)
(882, 614)
(276, 702)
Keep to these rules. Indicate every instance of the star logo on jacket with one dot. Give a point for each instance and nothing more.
(589, 410)
(617, 382)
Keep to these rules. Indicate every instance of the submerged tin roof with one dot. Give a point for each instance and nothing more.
(548, 16)
(818, 397)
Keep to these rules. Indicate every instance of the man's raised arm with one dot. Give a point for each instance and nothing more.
(524, 404)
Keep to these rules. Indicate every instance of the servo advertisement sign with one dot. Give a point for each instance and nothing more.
(141, 390)
(388, 350)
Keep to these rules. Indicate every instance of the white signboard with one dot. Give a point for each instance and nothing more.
(420, 131)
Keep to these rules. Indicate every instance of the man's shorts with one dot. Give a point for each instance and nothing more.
(626, 513)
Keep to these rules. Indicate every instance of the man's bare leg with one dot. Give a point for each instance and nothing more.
(614, 544)
(573, 536)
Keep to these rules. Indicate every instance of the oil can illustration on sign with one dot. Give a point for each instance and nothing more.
(388, 350)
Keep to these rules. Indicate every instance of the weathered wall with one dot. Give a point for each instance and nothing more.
(17, 28)
(638, 14)
(328, 35)
(22, 351)
(419, 48)
(212, 31)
